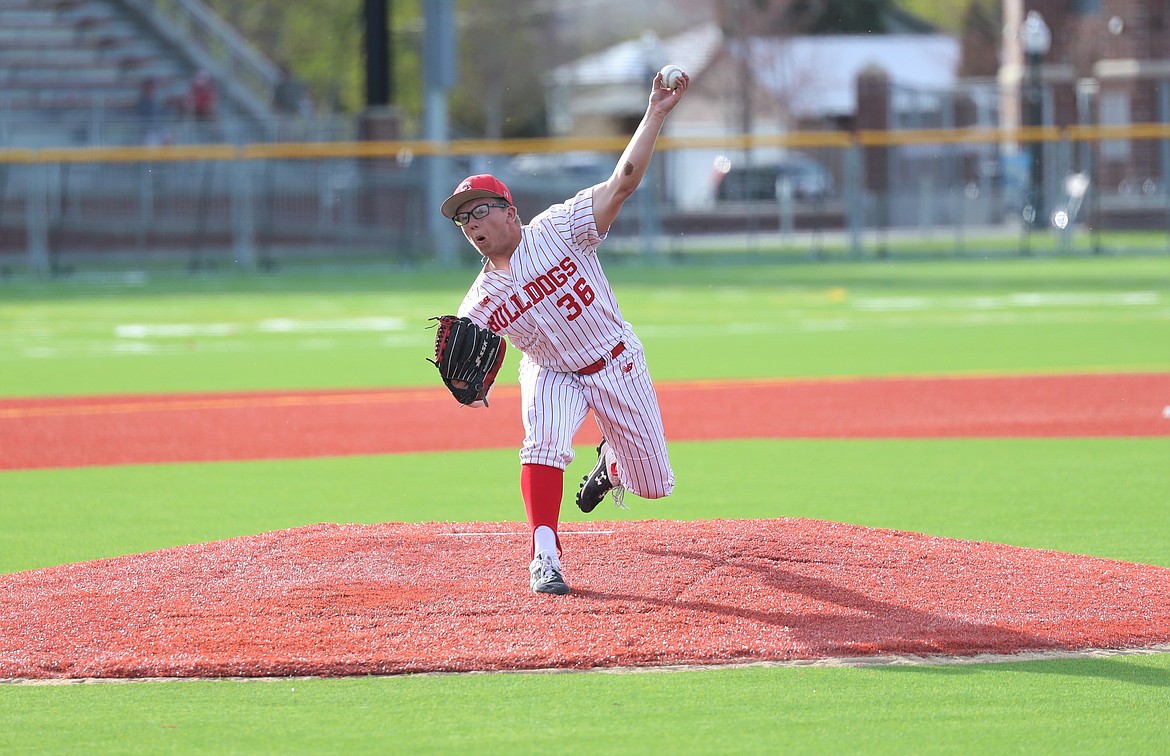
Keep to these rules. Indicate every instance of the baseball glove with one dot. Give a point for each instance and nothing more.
(468, 358)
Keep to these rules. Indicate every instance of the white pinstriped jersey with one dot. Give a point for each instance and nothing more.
(556, 306)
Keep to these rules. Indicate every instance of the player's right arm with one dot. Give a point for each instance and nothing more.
(609, 195)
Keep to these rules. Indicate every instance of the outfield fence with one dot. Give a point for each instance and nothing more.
(800, 196)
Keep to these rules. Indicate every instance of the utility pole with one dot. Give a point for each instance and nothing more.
(439, 67)
(1036, 38)
(379, 79)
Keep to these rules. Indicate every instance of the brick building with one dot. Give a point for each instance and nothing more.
(1109, 64)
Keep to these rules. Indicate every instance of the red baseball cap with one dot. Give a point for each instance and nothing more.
(474, 187)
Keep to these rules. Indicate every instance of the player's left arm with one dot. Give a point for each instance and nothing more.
(609, 195)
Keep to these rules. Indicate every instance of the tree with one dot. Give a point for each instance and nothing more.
(503, 53)
(320, 42)
(981, 41)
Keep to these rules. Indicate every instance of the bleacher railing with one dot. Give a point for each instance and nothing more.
(233, 57)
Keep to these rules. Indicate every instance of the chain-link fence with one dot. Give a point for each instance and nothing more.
(810, 196)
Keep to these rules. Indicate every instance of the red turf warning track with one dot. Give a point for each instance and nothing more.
(111, 430)
(397, 598)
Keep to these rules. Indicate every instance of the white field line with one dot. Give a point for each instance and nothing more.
(270, 325)
(519, 534)
(1024, 300)
(1060, 308)
(845, 661)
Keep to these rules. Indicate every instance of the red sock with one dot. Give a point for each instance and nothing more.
(542, 487)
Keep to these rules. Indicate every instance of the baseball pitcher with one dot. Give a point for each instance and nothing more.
(542, 287)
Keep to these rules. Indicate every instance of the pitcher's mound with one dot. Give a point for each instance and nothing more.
(399, 598)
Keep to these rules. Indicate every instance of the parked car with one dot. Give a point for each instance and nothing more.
(581, 167)
(764, 181)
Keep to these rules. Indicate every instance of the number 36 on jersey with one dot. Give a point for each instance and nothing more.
(571, 295)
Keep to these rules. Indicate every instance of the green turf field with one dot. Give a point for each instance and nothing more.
(1105, 497)
(296, 330)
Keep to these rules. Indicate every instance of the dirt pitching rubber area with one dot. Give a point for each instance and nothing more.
(451, 597)
(400, 598)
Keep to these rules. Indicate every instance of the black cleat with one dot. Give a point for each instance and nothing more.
(546, 575)
(596, 484)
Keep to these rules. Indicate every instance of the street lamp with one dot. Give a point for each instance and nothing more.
(1037, 39)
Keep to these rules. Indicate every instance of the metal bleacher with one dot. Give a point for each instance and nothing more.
(72, 71)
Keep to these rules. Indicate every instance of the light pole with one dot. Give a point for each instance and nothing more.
(649, 211)
(1037, 39)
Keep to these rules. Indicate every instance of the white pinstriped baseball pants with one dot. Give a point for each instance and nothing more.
(623, 401)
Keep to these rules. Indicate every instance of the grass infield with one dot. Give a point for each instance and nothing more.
(1037, 493)
(1104, 497)
(1107, 705)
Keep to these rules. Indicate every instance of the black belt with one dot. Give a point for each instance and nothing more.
(601, 363)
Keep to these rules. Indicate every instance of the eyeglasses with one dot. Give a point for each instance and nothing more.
(479, 212)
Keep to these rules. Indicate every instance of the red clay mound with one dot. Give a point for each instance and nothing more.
(115, 430)
(398, 598)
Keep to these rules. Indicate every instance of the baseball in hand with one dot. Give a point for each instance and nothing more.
(670, 75)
